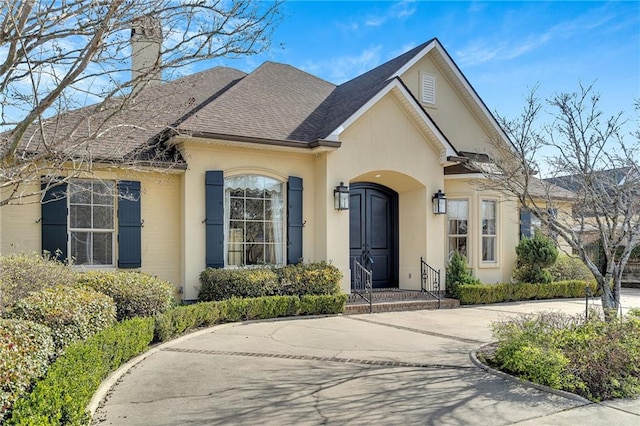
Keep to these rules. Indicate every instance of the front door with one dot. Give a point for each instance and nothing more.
(373, 231)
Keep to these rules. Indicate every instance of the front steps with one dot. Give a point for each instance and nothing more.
(391, 300)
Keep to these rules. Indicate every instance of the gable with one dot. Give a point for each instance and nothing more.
(394, 135)
(449, 109)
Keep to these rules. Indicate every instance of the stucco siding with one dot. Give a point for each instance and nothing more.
(202, 157)
(450, 112)
(160, 210)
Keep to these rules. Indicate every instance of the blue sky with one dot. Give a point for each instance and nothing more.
(503, 48)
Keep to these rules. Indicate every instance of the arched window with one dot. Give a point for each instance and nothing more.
(254, 220)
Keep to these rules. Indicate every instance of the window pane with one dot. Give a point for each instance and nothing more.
(489, 249)
(102, 217)
(103, 193)
(81, 247)
(255, 232)
(254, 193)
(80, 192)
(462, 227)
(254, 254)
(102, 248)
(237, 208)
(80, 216)
(254, 209)
(488, 209)
(270, 254)
(269, 232)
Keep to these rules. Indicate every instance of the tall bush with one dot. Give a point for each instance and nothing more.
(569, 268)
(23, 273)
(135, 294)
(535, 255)
(458, 274)
(72, 314)
(26, 348)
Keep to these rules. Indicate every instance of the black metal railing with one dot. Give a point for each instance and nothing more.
(430, 280)
(362, 283)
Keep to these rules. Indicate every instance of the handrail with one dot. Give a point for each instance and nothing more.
(430, 280)
(362, 283)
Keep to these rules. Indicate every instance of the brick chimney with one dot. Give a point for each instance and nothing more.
(146, 41)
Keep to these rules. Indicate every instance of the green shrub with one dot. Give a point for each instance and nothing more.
(220, 284)
(72, 314)
(22, 273)
(181, 319)
(308, 278)
(458, 274)
(535, 255)
(66, 390)
(595, 359)
(478, 294)
(26, 348)
(135, 294)
(322, 304)
(569, 268)
(312, 278)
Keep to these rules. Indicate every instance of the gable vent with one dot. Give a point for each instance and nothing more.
(428, 89)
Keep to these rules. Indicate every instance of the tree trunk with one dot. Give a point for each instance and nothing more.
(609, 299)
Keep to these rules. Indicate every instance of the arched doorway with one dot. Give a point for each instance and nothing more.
(373, 231)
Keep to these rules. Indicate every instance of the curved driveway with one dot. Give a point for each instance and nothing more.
(390, 368)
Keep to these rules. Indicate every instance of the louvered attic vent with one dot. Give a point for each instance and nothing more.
(428, 89)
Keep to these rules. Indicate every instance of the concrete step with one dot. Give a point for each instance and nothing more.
(399, 305)
(391, 295)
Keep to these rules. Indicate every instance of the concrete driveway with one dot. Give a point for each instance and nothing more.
(389, 368)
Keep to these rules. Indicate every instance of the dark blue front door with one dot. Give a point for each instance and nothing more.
(373, 230)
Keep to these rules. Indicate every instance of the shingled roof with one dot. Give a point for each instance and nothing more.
(275, 102)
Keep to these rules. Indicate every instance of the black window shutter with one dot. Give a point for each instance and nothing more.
(525, 223)
(129, 225)
(54, 220)
(214, 211)
(294, 220)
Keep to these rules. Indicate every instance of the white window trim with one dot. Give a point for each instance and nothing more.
(98, 230)
(489, 263)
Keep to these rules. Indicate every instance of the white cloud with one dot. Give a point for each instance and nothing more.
(501, 48)
(342, 68)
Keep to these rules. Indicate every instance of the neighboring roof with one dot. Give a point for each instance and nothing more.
(543, 189)
(606, 177)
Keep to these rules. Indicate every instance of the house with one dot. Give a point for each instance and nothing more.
(235, 169)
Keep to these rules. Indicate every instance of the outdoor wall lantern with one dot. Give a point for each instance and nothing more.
(439, 201)
(341, 197)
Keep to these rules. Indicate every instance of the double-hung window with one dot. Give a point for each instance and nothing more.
(458, 220)
(91, 222)
(254, 220)
(489, 232)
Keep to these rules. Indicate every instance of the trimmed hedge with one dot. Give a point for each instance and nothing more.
(135, 294)
(72, 314)
(26, 348)
(63, 395)
(23, 273)
(478, 294)
(290, 280)
(185, 318)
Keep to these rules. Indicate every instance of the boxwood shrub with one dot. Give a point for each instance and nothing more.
(181, 319)
(26, 349)
(135, 294)
(478, 294)
(22, 273)
(72, 314)
(66, 390)
(301, 279)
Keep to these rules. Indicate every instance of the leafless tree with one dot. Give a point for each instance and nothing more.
(582, 150)
(75, 55)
